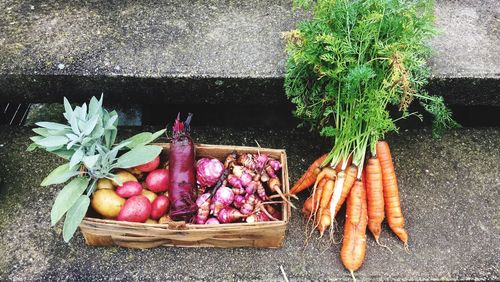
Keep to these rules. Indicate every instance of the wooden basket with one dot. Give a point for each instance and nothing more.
(271, 234)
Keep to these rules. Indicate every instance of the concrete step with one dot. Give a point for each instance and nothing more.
(449, 192)
(205, 51)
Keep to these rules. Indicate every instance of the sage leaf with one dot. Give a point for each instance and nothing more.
(67, 197)
(52, 125)
(61, 132)
(110, 124)
(41, 131)
(67, 107)
(86, 140)
(63, 153)
(90, 125)
(110, 137)
(53, 149)
(36, 138)
(74, 217)
(76, 158)
(70, 144)
(52, 141)
(157, 134)
(95, 106)
(81, 125)
(74, 123)
(144, 138)
(139, 139)
(83, 112)
(138, 155)
(90, 161)
(59, 175)
(31, 147)
(72, 137)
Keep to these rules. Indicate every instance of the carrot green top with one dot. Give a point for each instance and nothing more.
(351, 60)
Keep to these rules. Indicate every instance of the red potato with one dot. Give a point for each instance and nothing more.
(159, 207)
(157, 180)
(136, 209)
(129, 189)
(147, 167)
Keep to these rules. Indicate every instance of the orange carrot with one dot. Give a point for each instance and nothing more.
(348, 183)
(325, 199)
(338, 167)
(353, 249)
(319, 192)
(375, 195)
(316, 198)
(327, 172)
(355, 202)
(316, 195)
(394, 214)
(308, 178)
(324, 221)
(327, 194)
(307, 208)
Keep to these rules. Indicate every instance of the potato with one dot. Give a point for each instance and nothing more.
(135, 172)
(104, 183)
(159, 207)
(136, 209)
(129, 189)
(151, 221)
(124, 176)
(165, 219)
(150, 195)
(107, 203)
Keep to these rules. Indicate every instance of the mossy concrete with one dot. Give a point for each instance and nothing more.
(449, 191)
(204, 51)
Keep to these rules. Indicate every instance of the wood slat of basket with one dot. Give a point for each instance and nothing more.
(194, 234)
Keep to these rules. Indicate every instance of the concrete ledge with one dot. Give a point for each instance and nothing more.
(449, 192)
(212, 51)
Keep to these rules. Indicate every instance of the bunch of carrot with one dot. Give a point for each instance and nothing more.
(347, 64)
(371, 192)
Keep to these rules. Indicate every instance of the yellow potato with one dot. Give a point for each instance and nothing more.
(164, 219)
(107, 203)
(124, 176)
(150, 195)
(104, 183)
(135, 172)
(151, 221)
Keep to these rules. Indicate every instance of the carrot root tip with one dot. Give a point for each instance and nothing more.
(384, 246)
(352, 275)
(406, 247)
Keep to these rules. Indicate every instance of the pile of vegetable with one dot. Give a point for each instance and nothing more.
(239, 190)
(348, 66)
(141, 196)
(129, 181)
